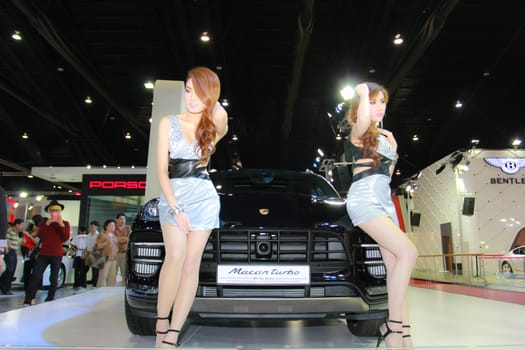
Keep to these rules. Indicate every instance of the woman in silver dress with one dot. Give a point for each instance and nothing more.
(370, 206)
(189, 204)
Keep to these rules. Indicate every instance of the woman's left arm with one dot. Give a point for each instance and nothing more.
(220, 119)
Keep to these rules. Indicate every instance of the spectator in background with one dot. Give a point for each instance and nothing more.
(30, 260)
(107, 240)
(10, 257)
(122, 231)
(53, 233)
(79, 244)
(3, 220)
(90, 245)
(28, 241)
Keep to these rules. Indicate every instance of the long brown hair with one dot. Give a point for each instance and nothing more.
(369, 138)
(208, 88)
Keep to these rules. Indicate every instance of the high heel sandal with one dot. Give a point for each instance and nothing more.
(161, 332)
(162, 319)
(407, 338)
(169, 342)
(389, 331)
(406, 335)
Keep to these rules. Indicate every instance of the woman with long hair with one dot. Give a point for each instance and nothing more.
(189, 205)
(369, 205)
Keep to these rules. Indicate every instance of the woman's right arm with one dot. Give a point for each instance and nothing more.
(363, 113)
(163, 160)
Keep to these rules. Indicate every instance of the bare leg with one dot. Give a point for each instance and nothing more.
(196, 241)
(399, 255)
(170, 275)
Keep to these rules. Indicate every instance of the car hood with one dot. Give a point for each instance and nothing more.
(280, 210)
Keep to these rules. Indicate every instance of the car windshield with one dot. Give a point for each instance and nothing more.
(273, 181)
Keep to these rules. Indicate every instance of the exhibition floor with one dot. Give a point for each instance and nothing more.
(95, 319)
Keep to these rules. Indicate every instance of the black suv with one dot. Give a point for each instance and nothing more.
(285, 249)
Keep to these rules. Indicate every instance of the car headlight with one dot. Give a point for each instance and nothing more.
(150, 211)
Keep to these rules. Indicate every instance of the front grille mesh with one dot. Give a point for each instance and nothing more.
(304, 246)
(257, 246)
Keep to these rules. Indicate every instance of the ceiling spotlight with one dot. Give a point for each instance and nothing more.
(127, 136)
(459, 104)
(149, 85)
(475, 142)
(320, 152)
(205, 37)
(88, 100)
(39, 198)
(225, 102)
(516, 143)
(371, 71)
(347, 92)
(60, 69)
(338, 137)
(234, 137)
(415, 138)
(398, 39)
(16, 35)
(25, 136)
(23, 194)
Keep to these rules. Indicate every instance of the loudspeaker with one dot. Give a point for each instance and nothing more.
(415, 218)
(468, 206)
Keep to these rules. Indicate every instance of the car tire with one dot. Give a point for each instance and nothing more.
(506, 269)
(61, 278)
(138, 325)
(364, 328)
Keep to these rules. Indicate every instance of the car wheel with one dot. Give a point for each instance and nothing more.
(506, 269)
(364, 328)
(139, 325)
(61, 276)
(60, 280)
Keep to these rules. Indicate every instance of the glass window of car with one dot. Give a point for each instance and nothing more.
(268, 181)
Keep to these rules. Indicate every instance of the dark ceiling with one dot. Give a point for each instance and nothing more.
(281, 63)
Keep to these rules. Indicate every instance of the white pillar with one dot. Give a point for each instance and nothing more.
(168, 98)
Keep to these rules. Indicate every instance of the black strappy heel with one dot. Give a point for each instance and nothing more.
(171, 343)
(406, 335)
(382, 336)
(162, 319)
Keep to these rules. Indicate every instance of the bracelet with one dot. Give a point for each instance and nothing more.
(175, 210)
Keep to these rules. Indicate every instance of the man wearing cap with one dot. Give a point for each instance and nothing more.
(53, 232)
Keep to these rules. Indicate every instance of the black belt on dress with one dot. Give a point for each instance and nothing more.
(179, 168)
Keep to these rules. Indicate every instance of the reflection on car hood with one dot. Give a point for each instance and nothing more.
(267, 209)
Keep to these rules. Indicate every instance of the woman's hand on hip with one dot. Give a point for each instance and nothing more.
(183, 222)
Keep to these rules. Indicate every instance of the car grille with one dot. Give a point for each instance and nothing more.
(146, 258)
(235, 245)
(373, 261)
(279, 246)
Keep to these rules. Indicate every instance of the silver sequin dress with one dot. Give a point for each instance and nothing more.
(370, 196)
(198, 197)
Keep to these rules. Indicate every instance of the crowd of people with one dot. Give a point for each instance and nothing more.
(43, 241)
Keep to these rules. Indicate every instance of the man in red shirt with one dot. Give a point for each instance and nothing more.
(53, 232)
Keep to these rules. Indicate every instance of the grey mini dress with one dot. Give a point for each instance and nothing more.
(198, 197)
(369, 196)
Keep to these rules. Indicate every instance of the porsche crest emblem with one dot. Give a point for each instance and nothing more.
(264, 211)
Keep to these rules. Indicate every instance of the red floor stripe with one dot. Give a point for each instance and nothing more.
(480, 292)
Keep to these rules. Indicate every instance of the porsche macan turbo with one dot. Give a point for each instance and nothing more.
(285, 249)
